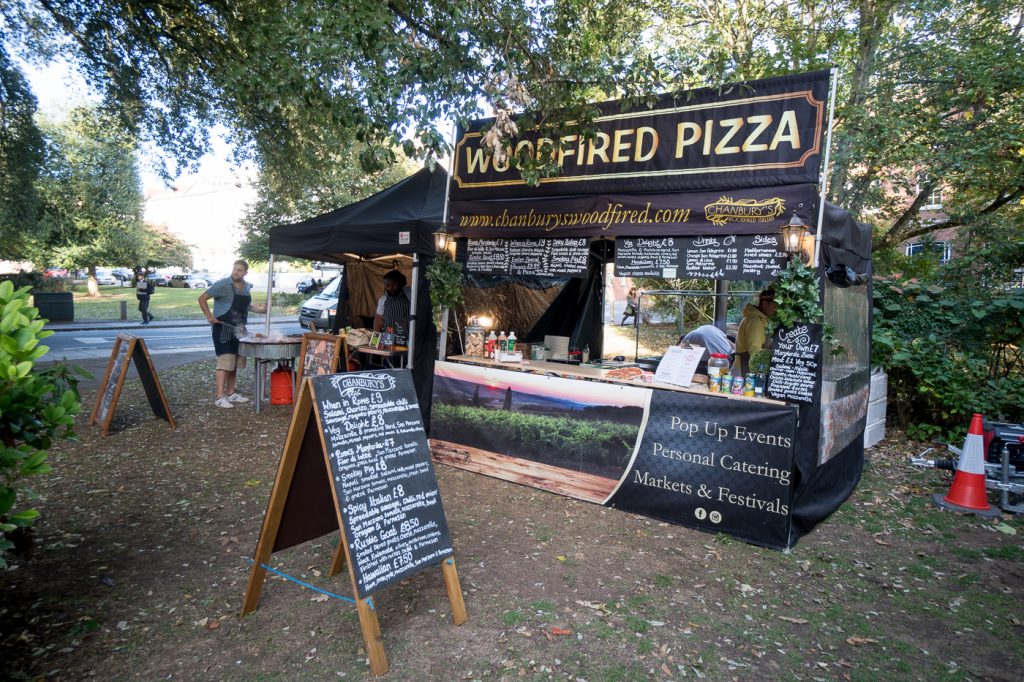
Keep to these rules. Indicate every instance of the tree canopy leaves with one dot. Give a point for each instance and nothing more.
(929, 89)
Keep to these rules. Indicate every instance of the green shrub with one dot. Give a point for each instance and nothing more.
(949, 353)
(35, 407)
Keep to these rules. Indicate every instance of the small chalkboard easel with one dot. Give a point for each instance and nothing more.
(128, 348)
(356, 461)
(320, 355)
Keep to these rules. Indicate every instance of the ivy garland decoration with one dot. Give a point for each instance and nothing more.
(797, 300)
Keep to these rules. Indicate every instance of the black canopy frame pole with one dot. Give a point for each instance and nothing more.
(270, 286)
(442, 344)
(415, 307)
(824, 164)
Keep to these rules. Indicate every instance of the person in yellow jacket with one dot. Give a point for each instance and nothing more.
(750, 337)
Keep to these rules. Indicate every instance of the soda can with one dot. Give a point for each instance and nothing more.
(714, 383)
(737, 385)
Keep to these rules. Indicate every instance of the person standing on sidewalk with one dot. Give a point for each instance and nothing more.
(232, 301)
(143, 290)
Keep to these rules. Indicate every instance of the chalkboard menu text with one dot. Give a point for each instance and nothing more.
(796, 364)
(731, 257)
(356, 461)
(383, 476)
(539, 257)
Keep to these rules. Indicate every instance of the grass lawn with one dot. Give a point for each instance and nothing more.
(166, 304)
(143, 542)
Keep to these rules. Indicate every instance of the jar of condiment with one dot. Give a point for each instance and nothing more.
(718, 364)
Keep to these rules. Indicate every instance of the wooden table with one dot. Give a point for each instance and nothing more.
(592, 373)
(386, 355)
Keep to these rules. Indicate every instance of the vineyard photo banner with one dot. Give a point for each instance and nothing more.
(752, 134)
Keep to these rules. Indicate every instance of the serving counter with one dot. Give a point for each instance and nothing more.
(592, 373)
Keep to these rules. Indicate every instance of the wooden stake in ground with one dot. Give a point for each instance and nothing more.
(127, 349)
(356, 460)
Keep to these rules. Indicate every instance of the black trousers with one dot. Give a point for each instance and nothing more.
(144, 308)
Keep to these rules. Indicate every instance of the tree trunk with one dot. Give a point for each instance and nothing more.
(93, 287)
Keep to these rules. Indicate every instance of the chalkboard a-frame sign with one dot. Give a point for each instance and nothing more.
(128, 349)
(356, 461)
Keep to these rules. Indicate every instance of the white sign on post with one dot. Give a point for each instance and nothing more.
(678, 365)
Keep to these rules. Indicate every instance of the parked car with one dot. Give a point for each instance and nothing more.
(157, 279)
(123, 275)
(306, 285)
(105, 277)
(55, 272)
(188, 282)
(319, 308)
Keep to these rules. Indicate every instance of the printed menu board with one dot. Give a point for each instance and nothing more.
(540, 257)
(795, 368)
(731, 257)
(382, 474)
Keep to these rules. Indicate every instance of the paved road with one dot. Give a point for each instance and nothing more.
(169, 345)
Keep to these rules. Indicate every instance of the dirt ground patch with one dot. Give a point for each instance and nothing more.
(144, 538)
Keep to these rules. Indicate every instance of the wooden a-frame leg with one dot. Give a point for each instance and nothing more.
(451, 582)
(338, 562)
(372, 637)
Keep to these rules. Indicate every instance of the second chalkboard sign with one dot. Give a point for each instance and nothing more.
(128, 349)
(795, 370)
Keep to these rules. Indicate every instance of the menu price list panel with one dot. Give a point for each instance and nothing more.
(795, 370)
(538, 257)
(731, 257)
(383, 476)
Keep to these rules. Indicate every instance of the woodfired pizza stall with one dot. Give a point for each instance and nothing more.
(697, 187)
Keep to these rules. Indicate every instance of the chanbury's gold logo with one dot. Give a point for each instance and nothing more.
(728, 209)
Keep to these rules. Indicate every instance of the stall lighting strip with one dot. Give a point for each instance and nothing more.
(332, 595)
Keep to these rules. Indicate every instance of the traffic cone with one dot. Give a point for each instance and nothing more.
(967, 494)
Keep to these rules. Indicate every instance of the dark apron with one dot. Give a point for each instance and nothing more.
(225, 335)
(396, 315)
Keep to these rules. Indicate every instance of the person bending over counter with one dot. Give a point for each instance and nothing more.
(712, 339)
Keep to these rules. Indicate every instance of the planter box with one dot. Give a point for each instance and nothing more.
(57, 306)
(874, 430)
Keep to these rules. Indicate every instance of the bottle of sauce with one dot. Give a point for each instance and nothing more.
(492, 343)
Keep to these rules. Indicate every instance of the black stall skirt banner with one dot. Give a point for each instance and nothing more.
(714, 464)
(650, 451)
(756, 210)
(752, 134)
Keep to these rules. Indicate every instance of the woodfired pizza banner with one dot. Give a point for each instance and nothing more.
(753, 134)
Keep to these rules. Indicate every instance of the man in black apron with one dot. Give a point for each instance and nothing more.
(393, 307)
(232, 301)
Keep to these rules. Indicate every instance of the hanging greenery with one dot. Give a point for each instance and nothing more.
(445, 276)
(797, 300)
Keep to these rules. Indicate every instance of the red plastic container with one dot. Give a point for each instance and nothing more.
(281, 380)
